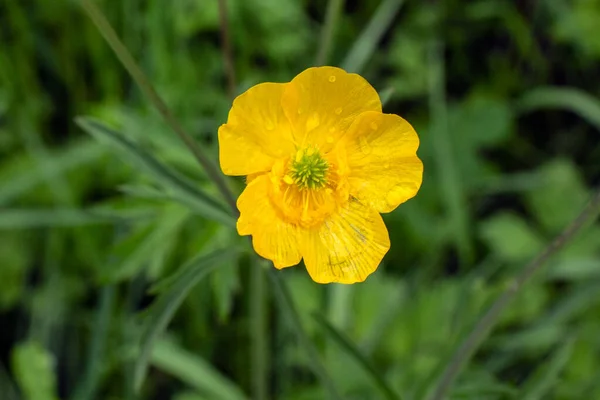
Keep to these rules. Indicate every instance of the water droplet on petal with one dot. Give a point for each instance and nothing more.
(332, 129)
(365, 147)
(329, 139)
(373, 125)
(312, 122)
(395, 196)
(386, 165)
(332, 78)
(300, 111)
(338, 110)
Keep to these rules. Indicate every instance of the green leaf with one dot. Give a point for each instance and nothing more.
(25, 218)
(510, 237)
(182, 189)
(570, 99)
(345, 343)
(540, 384)
(195, 371)
(559, 200)
(174, 292)
(367, 43)
(33, 367)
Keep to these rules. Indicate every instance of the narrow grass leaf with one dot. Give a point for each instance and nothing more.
(194, 370)
(163, 309)
(28, 218)
(574, 100)
(183, 190)
(345, 343)
(540, 384)
(366, 44)
(288, 308)
(88, 386)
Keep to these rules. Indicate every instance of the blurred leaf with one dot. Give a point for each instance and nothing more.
(33, 367)
(164, 307)
(27, 178)
(559, 201)
(15, 264)
(367, 43)
(352, 350)
(193, 370)
(510, 237)
(23, 218)
(183, 190)
(541, 382)
(562, 98)
(577, 24)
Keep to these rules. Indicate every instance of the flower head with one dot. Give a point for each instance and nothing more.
(322, 162)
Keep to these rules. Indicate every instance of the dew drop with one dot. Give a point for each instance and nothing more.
(373, 125)
(394, 196)
(338, 110)
(332, 129)
(332, 78)
(386, 165)
(329, 139)
(365, 147)
(312, 122)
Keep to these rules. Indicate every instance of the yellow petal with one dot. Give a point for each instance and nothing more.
(382, 158)
(256, 133)
(347, 247)
(272, 238)
(322, 102)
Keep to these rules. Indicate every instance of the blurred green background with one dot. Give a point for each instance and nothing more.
(104, 236)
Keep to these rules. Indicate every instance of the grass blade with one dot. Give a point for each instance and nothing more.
(195, 371)
(184, 190)
(27, 218)
(334, 9)
(574, 100)
(538, 386)
(366, 44)
(289, 309)
(344, 342)
(163, 309)
(88, 387)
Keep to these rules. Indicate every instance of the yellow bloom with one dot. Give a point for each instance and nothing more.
(322, 162)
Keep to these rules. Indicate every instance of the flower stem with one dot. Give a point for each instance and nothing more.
(287, 307)
(258, 331)
(334, 9)
(226, 48)
(483, 327)
(142, 81)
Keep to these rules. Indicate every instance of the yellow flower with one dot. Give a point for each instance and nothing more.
(322, 162)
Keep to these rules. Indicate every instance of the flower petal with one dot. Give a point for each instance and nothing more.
(272, 237)
(322, 102)
(256, 133)
(384, 168)
(347, 247)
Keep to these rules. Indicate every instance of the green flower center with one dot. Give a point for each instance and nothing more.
(308, 169)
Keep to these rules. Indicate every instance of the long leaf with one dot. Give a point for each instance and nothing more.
(542, 380)
(163, 309)
(574, 100)
(184, 191)
(345, 343)
(195, 371)
(366, 44)
(28, 218)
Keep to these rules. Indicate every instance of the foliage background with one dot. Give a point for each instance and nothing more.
(504, 96)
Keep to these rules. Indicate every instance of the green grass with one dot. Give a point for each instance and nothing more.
(121, 272)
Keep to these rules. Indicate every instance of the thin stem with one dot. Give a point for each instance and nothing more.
(140, 78)
(487, 322)
(226, 48)
(334, 9)
(287, 307)
(258, 331)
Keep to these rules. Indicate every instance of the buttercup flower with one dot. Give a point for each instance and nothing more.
(322, 161)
